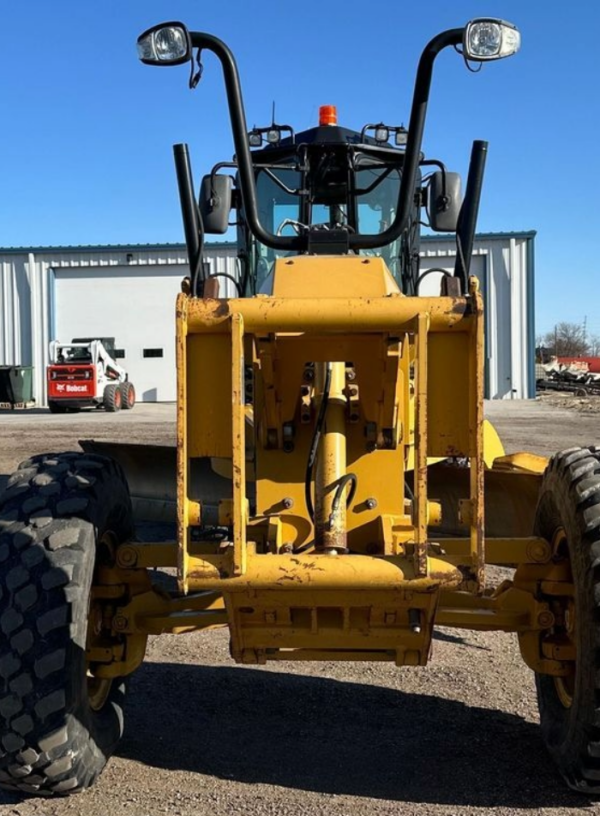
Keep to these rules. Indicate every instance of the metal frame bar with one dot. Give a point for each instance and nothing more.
(394, 315)
(182, 437)
(477, 464)
(239, 445)
(421, 443)
(499, 551)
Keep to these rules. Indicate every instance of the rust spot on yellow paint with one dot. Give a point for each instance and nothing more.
(459, 306)
(222, 308)
(293, 578)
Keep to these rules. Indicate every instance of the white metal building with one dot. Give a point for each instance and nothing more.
(128, 292)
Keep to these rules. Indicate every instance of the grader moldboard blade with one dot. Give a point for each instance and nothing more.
(151, 473)
(340, 540)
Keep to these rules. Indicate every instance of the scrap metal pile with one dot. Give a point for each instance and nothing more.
(574, 378)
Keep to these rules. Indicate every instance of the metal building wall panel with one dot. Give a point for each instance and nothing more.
(29, 302)
(15, 311)
(506, 288)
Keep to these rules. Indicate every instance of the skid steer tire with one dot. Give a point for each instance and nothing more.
(568, 512)
(113, 399)
(127, 395)
(56, 407)
(60, 515)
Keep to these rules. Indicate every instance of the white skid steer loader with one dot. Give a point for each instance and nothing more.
(83, 374)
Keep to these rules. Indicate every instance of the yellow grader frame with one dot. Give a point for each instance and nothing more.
(370, 581)
(339, 492)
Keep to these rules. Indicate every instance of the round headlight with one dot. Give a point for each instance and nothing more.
(170, 44)
(489, 39)
(485, 39)
(165, 44)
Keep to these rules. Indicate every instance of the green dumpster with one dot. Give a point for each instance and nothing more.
(16, 384)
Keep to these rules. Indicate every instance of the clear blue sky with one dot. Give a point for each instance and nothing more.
(86, 133)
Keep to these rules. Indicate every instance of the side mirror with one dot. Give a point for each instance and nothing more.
(165, 44)
(444, 201)
(215, 203)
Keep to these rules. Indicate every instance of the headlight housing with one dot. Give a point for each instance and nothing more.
(490, 39)
(382, 134)
(165, 44)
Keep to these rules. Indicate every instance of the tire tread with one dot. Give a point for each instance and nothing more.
(573, 479)
(47, 545)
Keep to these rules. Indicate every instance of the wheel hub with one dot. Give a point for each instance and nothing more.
(566, 625)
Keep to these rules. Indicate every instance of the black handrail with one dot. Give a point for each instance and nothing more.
(240, 140)
(467, 220)
(412, 156)
(189, 207)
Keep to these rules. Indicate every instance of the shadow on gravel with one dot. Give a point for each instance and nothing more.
(446, 637)
(4, 477)
(323, 735)
(23, 414)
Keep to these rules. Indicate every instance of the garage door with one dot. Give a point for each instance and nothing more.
(136, 306)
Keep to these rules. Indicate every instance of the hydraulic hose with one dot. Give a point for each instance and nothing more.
(339, 492)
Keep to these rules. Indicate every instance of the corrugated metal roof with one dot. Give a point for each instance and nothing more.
(231, 244)
(109, 247)
(94, 247)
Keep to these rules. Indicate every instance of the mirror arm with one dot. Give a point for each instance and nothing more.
(412, 156)
(240, 140)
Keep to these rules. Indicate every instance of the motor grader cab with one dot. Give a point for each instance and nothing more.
(338, 493)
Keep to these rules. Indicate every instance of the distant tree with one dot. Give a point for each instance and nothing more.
(567, 340)
(594, 345)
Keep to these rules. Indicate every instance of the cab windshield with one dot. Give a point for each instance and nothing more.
(362, 199)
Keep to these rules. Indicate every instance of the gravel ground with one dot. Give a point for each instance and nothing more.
(586, 405)
(204, 736)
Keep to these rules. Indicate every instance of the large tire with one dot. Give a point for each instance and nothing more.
(568, 514)
(60, 515)
(57, 407)
(128, 395)
(112, 398)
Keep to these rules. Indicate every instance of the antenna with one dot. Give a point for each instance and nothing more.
(273, 117)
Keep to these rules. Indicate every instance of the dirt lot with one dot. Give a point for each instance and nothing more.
(205, 736)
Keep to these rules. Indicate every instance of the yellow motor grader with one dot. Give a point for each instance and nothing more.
(338, 491)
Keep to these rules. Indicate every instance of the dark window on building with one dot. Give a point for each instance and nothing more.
(153, 352)
(118, 354)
